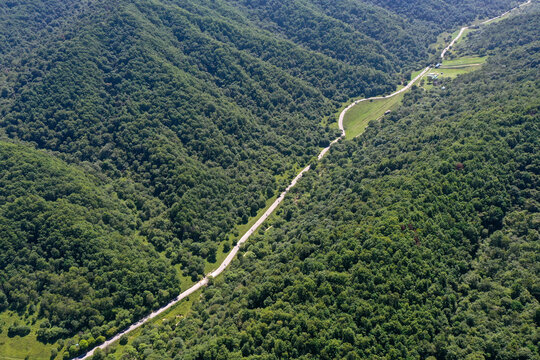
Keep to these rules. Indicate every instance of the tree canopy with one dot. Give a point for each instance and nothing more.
(136, 135)
(417, 240)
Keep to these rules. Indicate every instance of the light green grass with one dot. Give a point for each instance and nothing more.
(17, 347)
(448, 74)
(452, 68)
(185, 281)
(465, 33)
(452, 73)
(240, 230)
(466, 60)
(356, 121)
(220, 256)
(180, 310)
(415, 74)
(497, 20)
(442, 41)
(358, 117)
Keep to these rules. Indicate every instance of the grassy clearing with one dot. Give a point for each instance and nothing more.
(178, 312)
(452, 68)
(447, 73)
(185, 281)
(413, 75)
(465, 33)
(442, 40)
(22, 347)
(357, 118)
(452, 73)
(466, 60)
(220, 256)
(356, 121)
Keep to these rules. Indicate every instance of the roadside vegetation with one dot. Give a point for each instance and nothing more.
(139, 138)
(418, 239)
(357, 118)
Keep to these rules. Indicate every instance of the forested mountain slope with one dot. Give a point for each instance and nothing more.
(350, 30)
(420, 239)
(68, 240)
(190, 113)
(442, 13)
(24, 21)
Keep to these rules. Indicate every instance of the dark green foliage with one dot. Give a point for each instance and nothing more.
(446, 13)
(367, 32)
(196, 104)
(23, 21)
(123, 340)
(419, 239)
(69, 246)
(196, 123)
(487, 41)
(188, 114)
(18, 330)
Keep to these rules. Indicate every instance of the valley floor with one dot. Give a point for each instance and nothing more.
(352, 122)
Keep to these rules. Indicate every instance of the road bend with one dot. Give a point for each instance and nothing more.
(232, 254)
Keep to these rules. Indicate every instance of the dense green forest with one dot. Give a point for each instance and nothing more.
(443, 13)
(418, 240)
(345, 29)
(68, 240)
(147, 130)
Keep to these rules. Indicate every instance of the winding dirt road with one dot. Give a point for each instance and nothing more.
(272, 207)
(506, 13)
(463, 29)
(344, 112)
(453, 41)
